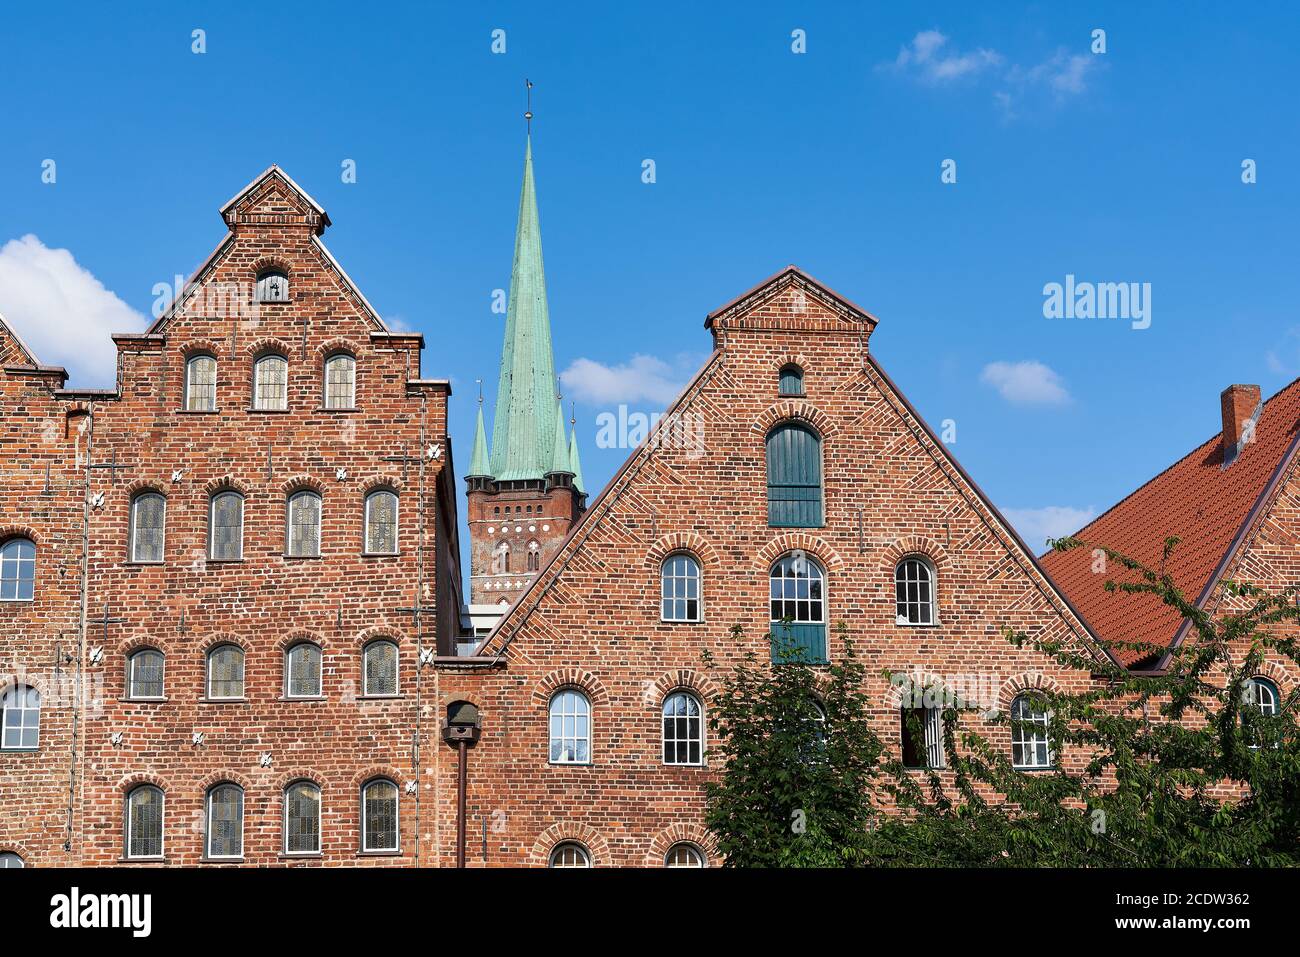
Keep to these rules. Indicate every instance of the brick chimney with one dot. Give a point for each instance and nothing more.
(1240, 405)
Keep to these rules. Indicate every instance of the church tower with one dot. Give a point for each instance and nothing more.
(527, 492)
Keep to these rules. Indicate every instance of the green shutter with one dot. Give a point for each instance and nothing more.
(794, 478)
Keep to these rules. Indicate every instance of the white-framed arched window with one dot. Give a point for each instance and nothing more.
(17, 570)
(379, 669)
(148, 526)
(1262, 695)
(914, 587)
(381, 522)
(201, 383)
(679, 588)
(798, 609)
(226, 527)
(302, 666)
(143, 823)
(379, 831)
(302, 818)
(224, 838)
(20, 718)
(570, 718)
(340, 381)
(569, 854)
(225, 679)
(271, 383)
(683, 729)
(10, 859)
(272, 286)
(144, 674)
(302, 525)
(1030, 747)
(684, 854)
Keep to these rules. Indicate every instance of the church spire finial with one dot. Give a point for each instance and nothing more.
(528, 109)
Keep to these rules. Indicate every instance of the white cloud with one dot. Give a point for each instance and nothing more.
(1028, 382)
(62, 311)
(642, 378)
(1037, 525)
(928, 59)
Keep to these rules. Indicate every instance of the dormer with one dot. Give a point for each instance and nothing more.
(274, 199)
(791, 300)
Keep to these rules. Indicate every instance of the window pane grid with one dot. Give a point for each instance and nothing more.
(914, 592)
(271, 383)
(380, 661)
(379, 816)
(680, 589)
(20, 718)
(340, 382)
(570, 728)
(17, 570)
(683, 729)
(1029, 744)
(570, 854)
(684, 855)
(201, 384)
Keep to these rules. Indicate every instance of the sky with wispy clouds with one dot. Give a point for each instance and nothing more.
(938, 163)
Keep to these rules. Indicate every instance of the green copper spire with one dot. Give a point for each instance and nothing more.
(575, 464)
(559, 453)
(478, 461)
(523, 434)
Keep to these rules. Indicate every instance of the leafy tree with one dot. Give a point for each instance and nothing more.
(798, 761)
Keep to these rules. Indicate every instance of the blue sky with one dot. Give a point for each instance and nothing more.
(1117, 167)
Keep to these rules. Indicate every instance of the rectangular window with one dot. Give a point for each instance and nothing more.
(922, 734)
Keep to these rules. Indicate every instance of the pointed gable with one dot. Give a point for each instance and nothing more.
(274, 199)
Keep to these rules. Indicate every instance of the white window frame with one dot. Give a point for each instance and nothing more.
(679, 743)
(243, 673)
(212, 516)
(190, 364)
(397, 669)
(1260, 683)
(19, 697)
(162, 824)
(131, 660)
(1027, 738)
(135, 526)
(798, 576)
(288, 671)
(18, 563)
(371, 496)
(691, 848)
(932, 738)
(260, 403)
(397, 816)
(325, 399)
(11, 860)
(931, 607)
(673, 589)
(284, 818)
(579, 849)
(288, 522)
(207, 835)
(561, 697)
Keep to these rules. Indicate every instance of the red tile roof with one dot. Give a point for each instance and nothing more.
(1196, 499)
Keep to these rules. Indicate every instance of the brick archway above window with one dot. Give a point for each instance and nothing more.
(383, 480)
(379, 633)
(224, 776)
(684, 680)
(302, 483)
(1026, 681)
(584, 834)
(196, 347)
(222, 638)
(283, 780)
(791, 359)
(798, 410)
(132, 489)
(227, 483)
(926, 548)
(813, 546)
(583, 681)
(689, 542)
(19, 531)
(267, 347)
(268, 263)
(1278, 674)
(129, 782)
(23, 679)
(679, 833)
(285, 642)
(136, 642)
(374, 771)
(337, 345)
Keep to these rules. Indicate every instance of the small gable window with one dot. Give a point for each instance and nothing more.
(272, 286)
(791, 380)
(680, 589)
(914, 592)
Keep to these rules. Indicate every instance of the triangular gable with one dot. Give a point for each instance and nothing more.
(776, 284)
(13, 351)
(270, 192)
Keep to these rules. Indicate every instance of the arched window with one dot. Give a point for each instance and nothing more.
(379, 816)
(794, 477)
(271, 383)
(302, 818)
(791, 380)
(272, 286)
(570, 854)
(143, 822)
(534, 557)
(302, 671)
(226, 672)
(570, 727)
(379, 664)
(20, 718)
(10, 859)
(798, 612)
(17, 570)
(501, 562)
(144, 674)
(148, 524)
(381, 522)
(340, 381)
(914, 592)
(226, 527)
(1029, 745)
(922, 736)
(302, 521)
(225, 822)
(201, 383)
(683, 729)
(683, 854)
(1262, 695)
(680, 588)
